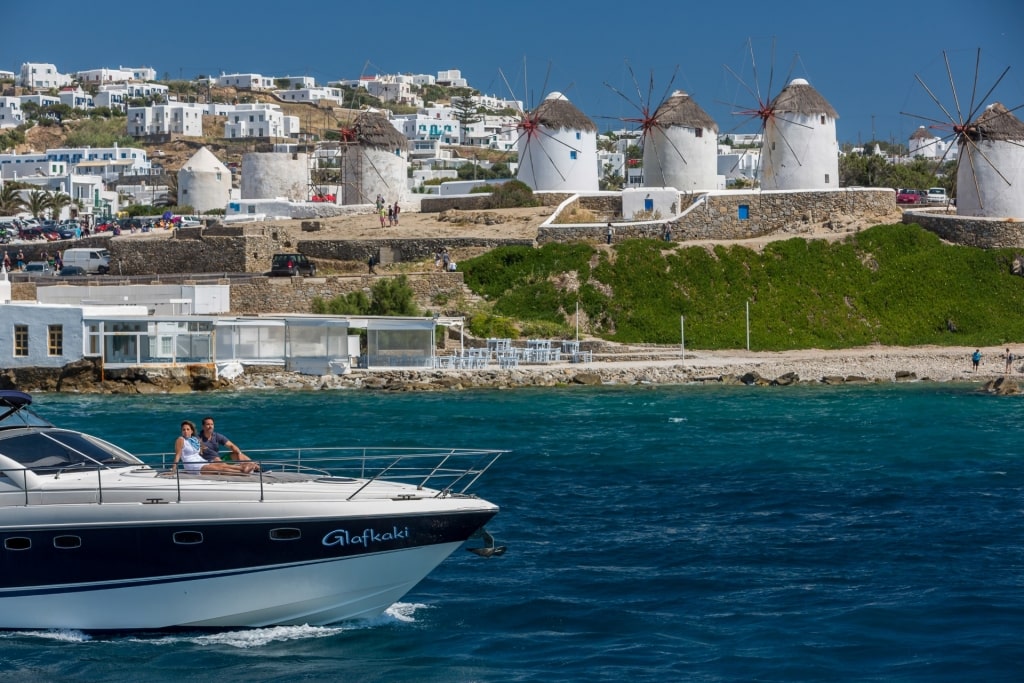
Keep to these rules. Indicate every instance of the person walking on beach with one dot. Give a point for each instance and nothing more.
(976, 358)
(1009, 363)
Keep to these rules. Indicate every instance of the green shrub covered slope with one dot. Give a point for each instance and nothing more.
(891, 284)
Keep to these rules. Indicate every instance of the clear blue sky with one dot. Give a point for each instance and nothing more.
(861, 56)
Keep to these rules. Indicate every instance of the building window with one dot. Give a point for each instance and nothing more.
(744, 212)
(823, 119)
(826, 178)
(572, 155)
(55, 340)
(698, 132)
(21, 340)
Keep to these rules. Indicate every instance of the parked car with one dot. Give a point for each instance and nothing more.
(937, 195)
(292, 265)
(71, 270)
(38, 268)
(908, 196)
(66, 232)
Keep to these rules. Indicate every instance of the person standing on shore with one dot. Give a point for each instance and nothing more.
(1009, 363)
(976, 358)
(608, 234)
(397, 211)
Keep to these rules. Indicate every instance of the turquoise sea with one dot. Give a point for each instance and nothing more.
(869, 533)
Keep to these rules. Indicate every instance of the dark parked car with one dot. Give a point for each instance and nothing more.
(292, 265)
(71, 270)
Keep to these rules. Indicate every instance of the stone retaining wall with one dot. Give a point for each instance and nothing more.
(971, 231)
(478, 201)
(296, 295)
(716, 216)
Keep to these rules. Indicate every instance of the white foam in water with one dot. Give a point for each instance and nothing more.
(677, 419)
(403, 611)
(64, 635)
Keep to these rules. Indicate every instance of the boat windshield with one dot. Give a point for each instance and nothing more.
(54, 450)
(14, 411)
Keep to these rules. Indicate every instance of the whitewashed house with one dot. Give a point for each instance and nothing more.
(178, 118)
(38, 76)
(101, 76)
(294, 82)
(76, 98)
(452, 78)
(10, 112)
(312, 95)
(111, 96)
(260, 120)
(245, 81)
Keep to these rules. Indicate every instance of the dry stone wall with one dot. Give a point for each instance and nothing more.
(972, 231)
(743, 215)
(296, 295)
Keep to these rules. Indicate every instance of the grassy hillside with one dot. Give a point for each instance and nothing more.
(891, 284)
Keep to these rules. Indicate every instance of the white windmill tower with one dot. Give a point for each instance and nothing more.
(924, 143)
(800, 149)
(681, 146)
(992, 182)
(374, 160)
(679, 140)
(990, 146)
(558, 147)
(204, 183)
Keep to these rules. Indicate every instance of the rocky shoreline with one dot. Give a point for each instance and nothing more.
(644, 366)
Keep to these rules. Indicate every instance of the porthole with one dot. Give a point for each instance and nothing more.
(285, 534)
(67, 542)
(188, 537)
(17, 543)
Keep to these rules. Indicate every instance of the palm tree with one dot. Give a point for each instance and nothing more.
(37, 203)
(10, 200)
(58, 200)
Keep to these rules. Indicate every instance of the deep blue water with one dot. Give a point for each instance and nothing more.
(654, 534)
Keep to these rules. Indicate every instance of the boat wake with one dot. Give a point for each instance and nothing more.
(400, 613)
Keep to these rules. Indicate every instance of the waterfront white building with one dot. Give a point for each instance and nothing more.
(312, 95)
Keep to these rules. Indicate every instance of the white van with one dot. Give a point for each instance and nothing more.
(90, 260)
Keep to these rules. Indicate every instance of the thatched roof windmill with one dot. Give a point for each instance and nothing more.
(799, 148)
(373, 160)
(990, 145)
(679, 140)
(558, 147)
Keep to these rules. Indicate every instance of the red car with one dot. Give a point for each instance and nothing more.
(910, 196)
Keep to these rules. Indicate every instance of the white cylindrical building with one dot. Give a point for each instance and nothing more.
(681, 148)
(558, 148)
(376, 163)
(204, 183)
(990, 176)
(270, 175)
(924, 143)
(800, 149)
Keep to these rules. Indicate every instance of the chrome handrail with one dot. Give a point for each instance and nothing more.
(446, 470)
